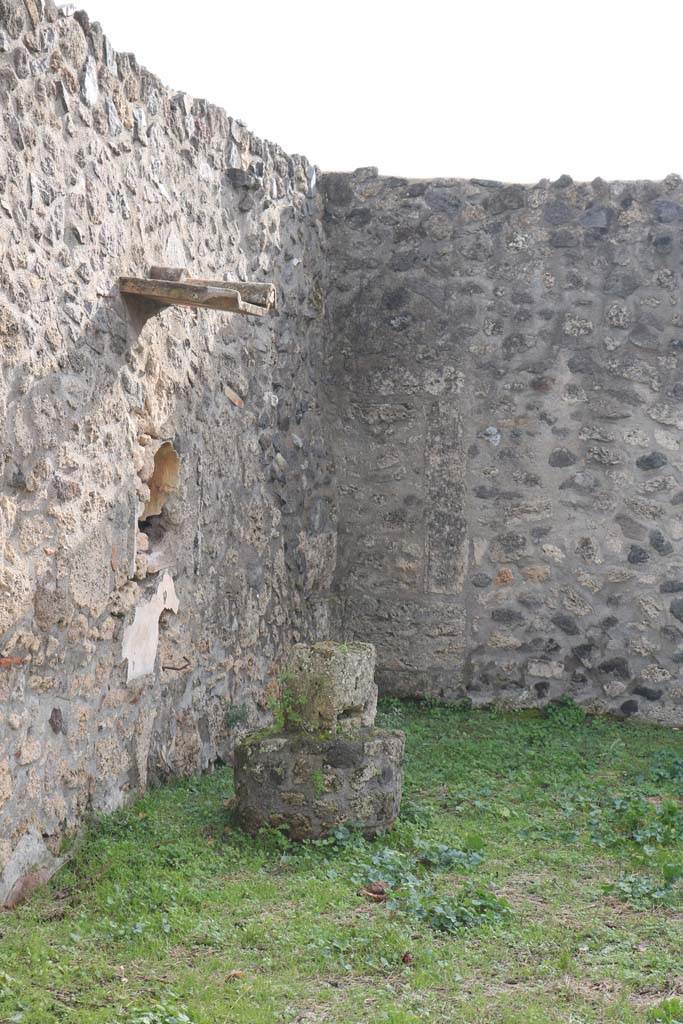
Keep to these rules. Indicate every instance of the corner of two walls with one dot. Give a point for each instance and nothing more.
(493, 369)
(505, 392)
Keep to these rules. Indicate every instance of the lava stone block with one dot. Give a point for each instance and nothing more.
(309, 787)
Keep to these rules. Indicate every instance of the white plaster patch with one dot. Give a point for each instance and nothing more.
(141, 638)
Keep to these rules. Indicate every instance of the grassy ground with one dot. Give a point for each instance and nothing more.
(497, 910)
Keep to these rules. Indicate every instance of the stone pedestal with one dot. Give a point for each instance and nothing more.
(311, 786)
(330, 687)
(329, 766)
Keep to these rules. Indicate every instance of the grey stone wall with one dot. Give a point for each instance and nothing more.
(104, 172)
(504, 395)
(493, 369)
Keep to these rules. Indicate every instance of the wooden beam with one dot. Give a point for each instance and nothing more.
(187, 293)
(256, 294)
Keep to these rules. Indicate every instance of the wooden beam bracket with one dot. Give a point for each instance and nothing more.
(168, 286)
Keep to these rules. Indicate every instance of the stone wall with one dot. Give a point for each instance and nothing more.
(103, 172)
(504, 391)
(494, 369)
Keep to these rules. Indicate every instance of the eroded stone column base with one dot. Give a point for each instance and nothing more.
(310, 786)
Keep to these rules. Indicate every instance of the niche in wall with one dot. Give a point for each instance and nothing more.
(153, 523)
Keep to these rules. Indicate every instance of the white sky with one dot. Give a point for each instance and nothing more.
(511, 89)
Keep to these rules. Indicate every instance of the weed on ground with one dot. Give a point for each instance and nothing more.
(534, 877)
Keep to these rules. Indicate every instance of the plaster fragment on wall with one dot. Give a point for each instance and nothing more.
(141, 638)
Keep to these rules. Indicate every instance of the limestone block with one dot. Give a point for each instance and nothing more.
(330, 687)
(6, 784)
(310, 786)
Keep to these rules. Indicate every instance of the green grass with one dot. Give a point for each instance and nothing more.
(532, 878)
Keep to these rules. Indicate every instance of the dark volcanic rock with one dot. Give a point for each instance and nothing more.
(617, 666)
(507, 616)
(567, 623)
(659, 542)
(671, 587)
(561, 457)
(655, 460)
(648, 692)
(637, 555)
(56, 720)
(629, 707)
